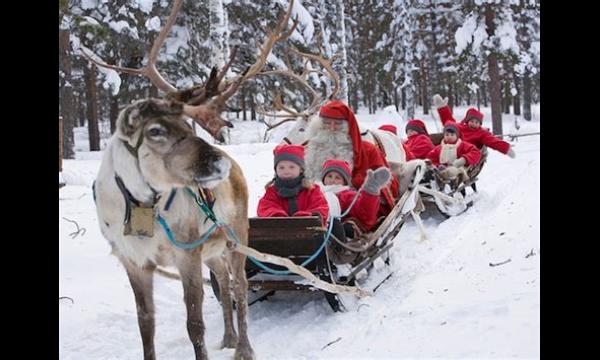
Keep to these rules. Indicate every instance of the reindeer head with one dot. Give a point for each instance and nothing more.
(169, 153)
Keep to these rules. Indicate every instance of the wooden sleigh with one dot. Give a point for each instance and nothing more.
(300, 238)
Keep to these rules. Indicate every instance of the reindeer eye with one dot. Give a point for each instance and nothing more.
(156, 131)
(301, 130)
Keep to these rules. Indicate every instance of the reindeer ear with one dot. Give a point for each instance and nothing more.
(129, 119)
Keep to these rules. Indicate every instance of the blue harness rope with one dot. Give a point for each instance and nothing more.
(206, 209)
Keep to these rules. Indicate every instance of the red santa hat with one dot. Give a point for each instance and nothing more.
(416, 125)
(390, 128)
(338, 110)
(294, 153)
(339, 166)
(472, 113)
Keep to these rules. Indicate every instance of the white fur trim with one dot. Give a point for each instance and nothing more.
(333, 201)
(448, 153)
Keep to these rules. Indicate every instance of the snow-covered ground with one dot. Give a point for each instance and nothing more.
(444, 300)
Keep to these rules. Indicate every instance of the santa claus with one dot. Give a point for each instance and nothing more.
(334, 134)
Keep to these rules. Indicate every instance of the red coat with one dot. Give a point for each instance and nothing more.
(310, 200)
(477, 137)
(364, 210)
(373, 159)
(408, 152)
(464, 150)
(420, 145)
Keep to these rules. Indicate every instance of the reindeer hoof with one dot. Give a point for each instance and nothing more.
(229, 341)
(244, 353)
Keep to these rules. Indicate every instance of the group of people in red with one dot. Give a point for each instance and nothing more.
(292, 193)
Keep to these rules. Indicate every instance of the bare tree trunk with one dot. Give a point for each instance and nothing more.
(341, 65)
(450, 95)
(92, 106)
(507, 98)
(81, 109)
(434, 78)
(67, 109)
(396, 98)
(517, 97)
(484, 94)
(526, 96)
(479, 99)
(424, 94)
(494, 74)
(252, 109)
(218, 33)
(408, 25)
(113, 113)
(403, 99)
(244, 104)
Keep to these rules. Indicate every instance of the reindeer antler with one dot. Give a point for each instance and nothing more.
(316, 99)
(150, 70)
(205, 103)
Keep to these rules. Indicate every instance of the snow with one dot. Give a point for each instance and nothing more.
(144, 5)
(112, 80)
(89, 4)
(153, 24)
(471, 32)
(179, 37)
(508, 37)
(121, 25)
(443, 300)
(89, 21)
(305, 21)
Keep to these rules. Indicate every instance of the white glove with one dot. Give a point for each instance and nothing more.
(438, 102)
(511, 153)
(459, 162)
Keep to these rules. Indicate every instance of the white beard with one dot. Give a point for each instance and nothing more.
(325, 144)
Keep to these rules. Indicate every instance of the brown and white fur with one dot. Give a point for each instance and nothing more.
(171, 156)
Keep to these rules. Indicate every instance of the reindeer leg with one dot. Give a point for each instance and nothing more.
(240, 288)
(190, 268)
(141, 283)
(219, 268)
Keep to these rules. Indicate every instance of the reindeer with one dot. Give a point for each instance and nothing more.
(153, 162)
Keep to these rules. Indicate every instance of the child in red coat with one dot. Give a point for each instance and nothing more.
(418, 140)
(453, 151)
(336, 176)
(470, 127)
(289, 193)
